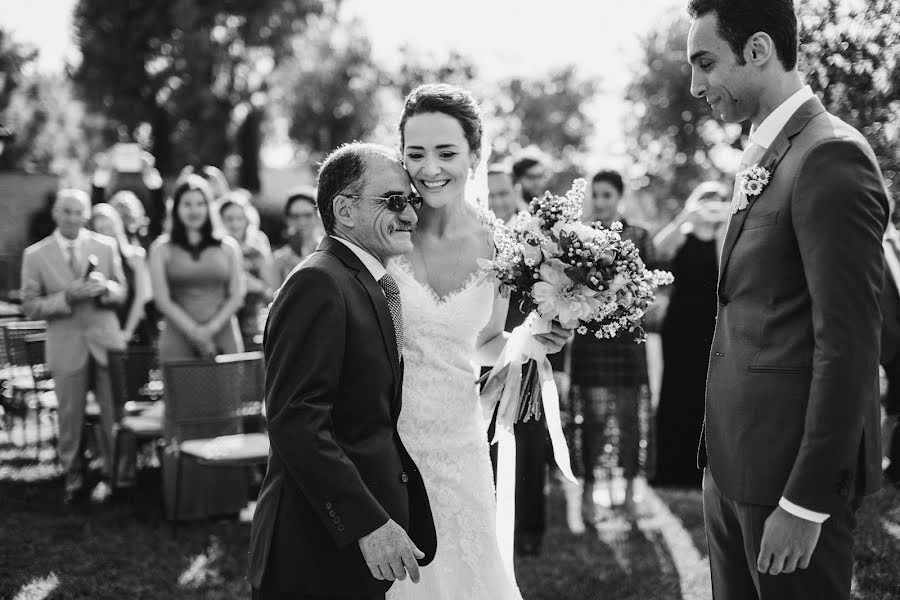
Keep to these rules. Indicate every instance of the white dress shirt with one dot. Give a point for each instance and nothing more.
(371, 263)
(77, 245)
(763, 136)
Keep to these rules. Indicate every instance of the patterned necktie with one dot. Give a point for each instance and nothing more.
(751, 156)
(392, 293)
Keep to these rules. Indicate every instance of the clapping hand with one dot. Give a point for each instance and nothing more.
(390, 554)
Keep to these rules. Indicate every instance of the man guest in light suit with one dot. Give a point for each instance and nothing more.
(73, 279)
(791, 436)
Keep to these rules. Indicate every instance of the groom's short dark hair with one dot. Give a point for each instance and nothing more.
(342, 172)
(740, 19)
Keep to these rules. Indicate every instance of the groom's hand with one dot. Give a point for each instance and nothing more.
(787, 543)
(389, 553)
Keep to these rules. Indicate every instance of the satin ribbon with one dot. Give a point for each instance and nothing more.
(504, 387)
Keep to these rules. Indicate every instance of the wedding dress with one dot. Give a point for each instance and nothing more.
(443, 428)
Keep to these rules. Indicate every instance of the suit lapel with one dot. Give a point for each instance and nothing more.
(769, 161)
(376, 297)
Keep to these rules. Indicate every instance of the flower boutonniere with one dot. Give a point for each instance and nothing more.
(751, 183)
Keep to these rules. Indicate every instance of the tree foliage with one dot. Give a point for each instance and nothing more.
(329, 89)
(851, 58)
(673, 137)
(181, 67)
(14, 60)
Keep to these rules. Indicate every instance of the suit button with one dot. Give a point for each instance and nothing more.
(340, 527)
(328, 506)
(331, 513)
(404, 477)
(724, 300)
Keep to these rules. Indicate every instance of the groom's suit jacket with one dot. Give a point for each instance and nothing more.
(792, 390)
(337, 468)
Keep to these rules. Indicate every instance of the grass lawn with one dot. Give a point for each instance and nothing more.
(127, 550)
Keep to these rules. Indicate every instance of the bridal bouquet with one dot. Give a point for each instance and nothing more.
(585, 276)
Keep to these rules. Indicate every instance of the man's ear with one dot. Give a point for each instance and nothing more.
(344, 212)
(759, 49)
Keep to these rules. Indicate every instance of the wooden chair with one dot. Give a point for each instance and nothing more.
(129, 375)
(21, 385)
(205, 412)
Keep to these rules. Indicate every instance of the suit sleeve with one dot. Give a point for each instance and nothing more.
(36, 302)
(839, 214)
(304, 350)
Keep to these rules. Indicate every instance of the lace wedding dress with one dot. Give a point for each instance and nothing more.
(442, 426)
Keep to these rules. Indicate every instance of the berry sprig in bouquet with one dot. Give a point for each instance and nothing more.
(585, 276)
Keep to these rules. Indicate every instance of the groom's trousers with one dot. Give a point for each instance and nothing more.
(734, 531)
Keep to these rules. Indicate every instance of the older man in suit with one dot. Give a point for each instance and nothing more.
(792, 417)
(72, 279)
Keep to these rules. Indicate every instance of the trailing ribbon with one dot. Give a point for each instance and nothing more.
(504, 387)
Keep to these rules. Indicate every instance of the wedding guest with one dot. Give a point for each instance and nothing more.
(198, 284)
(136, 328)
(303, 231)
(503, 199)
(241, 221)
(529, 176)
(114, 173)
(690, 245)
(611, 375)
(73, 279)
(198, 279)
(131, 211)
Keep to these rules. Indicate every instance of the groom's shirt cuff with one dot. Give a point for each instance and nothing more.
(803, 513)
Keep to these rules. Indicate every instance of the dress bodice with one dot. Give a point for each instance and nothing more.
(440, 337)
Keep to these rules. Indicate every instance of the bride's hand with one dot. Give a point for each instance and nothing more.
(555, 339)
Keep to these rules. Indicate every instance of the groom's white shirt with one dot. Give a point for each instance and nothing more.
(763, 136)
(371, 263)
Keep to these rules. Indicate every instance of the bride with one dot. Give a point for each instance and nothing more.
(453, 317)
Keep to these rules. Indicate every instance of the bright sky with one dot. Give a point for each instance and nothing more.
(503, 37)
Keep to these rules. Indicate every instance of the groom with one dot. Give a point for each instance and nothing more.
(343, 511)
(791, 432)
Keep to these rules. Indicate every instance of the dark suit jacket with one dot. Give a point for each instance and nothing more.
(337, 468)
(792, 390)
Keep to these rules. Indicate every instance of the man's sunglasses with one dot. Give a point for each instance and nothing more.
(395, 202)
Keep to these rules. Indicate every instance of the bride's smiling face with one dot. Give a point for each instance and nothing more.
(437, 157)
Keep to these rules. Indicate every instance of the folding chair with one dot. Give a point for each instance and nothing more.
(21, 383)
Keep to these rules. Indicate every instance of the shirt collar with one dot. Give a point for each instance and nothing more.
(65, 242)
(769, 129)
(371, 263)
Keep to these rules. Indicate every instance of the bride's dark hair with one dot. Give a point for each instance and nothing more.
(447, 99)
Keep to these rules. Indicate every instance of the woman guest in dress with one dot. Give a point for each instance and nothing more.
(690, 244)
(198, 284)
(611, 374)
(241, 221)
(304, 231)
(136, 327)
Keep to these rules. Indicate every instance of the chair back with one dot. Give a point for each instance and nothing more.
(250, 381)
(204, 398)
(35, 346)
(4, 355)
(130, 372)
(14, 335)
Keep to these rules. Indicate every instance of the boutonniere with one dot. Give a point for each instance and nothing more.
(751, 183)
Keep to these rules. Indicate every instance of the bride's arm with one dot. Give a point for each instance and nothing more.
(492, 338)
